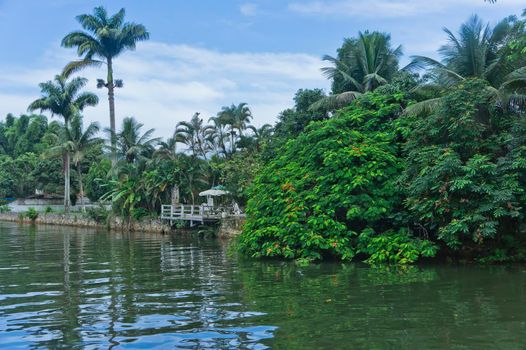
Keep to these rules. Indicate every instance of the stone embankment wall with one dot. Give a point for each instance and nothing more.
(78, 220)
(229, 227)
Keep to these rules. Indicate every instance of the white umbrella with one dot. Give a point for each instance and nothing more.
(213, 193)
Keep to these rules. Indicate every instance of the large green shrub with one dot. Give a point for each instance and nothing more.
(465, 174)
(331, 189)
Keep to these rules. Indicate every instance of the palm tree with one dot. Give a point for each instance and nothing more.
(217, 134)
(362, 65)
(192, 175)
(131, 145)
(194, 135)
(104, 38)
(258, 137)
(79, 142)
(236, 117)
(167, 149)
(474, 53)
(167, 152)
(64, 98)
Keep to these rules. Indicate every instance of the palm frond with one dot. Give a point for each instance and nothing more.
(423, 107)
(75, 66)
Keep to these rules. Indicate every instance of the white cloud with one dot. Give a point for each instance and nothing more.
(248, 9)
(388, 8)
(165, 83)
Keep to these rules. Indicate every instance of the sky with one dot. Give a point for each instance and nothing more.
(206, 54)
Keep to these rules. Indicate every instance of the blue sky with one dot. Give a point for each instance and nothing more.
(209, 53)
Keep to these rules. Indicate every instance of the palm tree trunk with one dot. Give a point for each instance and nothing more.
(232, 143)
(67, 187)
(175, 195)
(111, 100)
(81, 189)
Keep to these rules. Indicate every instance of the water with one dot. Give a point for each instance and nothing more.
(76, 288)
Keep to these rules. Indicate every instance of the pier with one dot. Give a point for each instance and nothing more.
(193, 213)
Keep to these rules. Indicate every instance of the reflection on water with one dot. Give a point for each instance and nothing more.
(64, 287)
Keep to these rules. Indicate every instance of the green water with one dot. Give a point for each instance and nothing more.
(75, 288)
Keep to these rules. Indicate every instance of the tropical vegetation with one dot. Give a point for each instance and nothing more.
(394, 165)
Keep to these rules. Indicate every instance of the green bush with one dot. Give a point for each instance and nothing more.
(48, 210)
(139, 213)
(5, 208)
(465, 175)
(394, 247)
(32, 214)
(331, 184)
(98, 214)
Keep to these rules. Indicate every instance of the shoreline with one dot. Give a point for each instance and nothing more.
(227, 229)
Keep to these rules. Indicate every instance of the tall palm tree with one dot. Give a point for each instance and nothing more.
(79, 142)
(64, 98)
(362, 65)
(131, 143)
(194, 135)
(474, 53)
(103, 39)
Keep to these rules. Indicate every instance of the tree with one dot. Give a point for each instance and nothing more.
(64, 98)
(131, 144)
(475, 53)
(79, 142)
(104, 38)
(217, 135)
(292, 121)
(362, 65)
(332, 191)
(465, 174)
(257, 139)
(167, 153)
(236, 117)
(194, 135)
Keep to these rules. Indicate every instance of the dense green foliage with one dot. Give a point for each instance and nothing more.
(333, 189)
(465, 173)
(389, 182)
(393, 166)
(22, 170)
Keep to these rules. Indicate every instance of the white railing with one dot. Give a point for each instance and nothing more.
(188, 211)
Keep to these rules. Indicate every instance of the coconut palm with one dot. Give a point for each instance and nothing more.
(258, 137)
(78, 142)
(236, 117)
(362, 65)
(167, 149)
(103, 39)
(65, 99)
(474, 53)
(194, 135)
(131, 143)
(217, 135)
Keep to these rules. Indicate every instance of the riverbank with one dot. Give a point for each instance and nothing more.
(228, 228)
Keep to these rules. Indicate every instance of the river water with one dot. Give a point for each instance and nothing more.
(76, 288)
